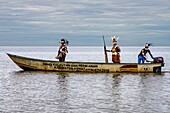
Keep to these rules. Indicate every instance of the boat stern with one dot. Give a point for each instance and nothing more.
(158, 69)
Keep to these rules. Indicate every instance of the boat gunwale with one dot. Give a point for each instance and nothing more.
(34, 59)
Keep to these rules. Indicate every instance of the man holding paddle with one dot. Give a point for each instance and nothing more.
(115, 51)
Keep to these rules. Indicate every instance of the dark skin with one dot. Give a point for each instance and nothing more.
(144, 51)
(117, 49)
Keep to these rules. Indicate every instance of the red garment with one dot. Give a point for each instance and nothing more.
(116, 58)
(115, 53)
(63, 50)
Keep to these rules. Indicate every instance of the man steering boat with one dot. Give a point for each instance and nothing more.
(143, 52)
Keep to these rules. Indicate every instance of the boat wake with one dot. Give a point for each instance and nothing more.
(166, 71)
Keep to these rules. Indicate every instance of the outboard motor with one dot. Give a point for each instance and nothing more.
(158, 60)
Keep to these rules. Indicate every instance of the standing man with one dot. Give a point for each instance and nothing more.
(62, 50)
(115, 51)
(143, 52)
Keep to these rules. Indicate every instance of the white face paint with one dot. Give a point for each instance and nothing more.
(114, 42)
(62, 42)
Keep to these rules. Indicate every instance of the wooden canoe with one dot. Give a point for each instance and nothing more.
(47, 65)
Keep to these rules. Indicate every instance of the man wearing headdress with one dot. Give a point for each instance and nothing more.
(143, 52)
(62, 50)
(115, 51)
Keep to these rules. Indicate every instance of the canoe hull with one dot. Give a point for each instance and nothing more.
(48, 65)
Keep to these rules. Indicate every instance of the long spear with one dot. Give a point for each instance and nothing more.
(105, 52)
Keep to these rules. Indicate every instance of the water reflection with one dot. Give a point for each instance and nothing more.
(50, 89)
(67, 92)
(22, 72)
(116, 80)
(62, 75)
(116, 91)
(63, 92)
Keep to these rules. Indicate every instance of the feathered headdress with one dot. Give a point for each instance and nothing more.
(114, 39)
(148, 44)
(64, 41)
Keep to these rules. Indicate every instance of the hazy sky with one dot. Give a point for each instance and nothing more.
(83, 22)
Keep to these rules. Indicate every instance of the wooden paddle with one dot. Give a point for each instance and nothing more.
(105, 52)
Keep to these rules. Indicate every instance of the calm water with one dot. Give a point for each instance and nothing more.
(52, 92)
